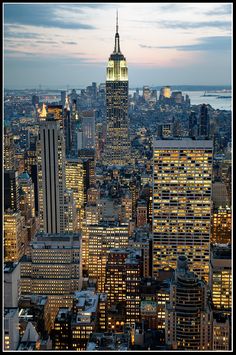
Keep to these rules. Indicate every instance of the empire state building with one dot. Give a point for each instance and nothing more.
(117, 149)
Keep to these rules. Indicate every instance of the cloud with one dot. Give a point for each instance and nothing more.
(222, 10)
(174, 7)
(187, 25)
(10, 35)
(49, 42)
(215, 43)
(72, 43)
(42, 15)
(9, 52)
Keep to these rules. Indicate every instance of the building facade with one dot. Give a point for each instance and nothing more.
(221, 278)
(182, 171)
(188, 317)
(51, 176)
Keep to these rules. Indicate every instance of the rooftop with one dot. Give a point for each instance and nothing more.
(10, 266)
(62, 314)
(86, 303)
(108, 341)
(221, 251)
(10, 312)
(58, 241)
(182, 143)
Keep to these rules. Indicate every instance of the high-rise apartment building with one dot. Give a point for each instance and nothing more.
(51, 176)
(188, 317)
(117, 149)
(182, 172)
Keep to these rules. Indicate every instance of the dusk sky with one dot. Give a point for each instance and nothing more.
(62, 44)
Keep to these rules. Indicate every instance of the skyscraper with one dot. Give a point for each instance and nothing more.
(123, 274)
(96, 244)
(26, 184)
(67, 130)
(182, 203)
(15, 236)
(221, 278)
(63, 98)
(75, 181)
(117, 150)
(51, 176)
(88, 129)
(193, 126)
(11, 190)
(204, 123)
(188, 316)
(9, 150)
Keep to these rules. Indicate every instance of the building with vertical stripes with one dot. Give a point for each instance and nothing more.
(51, 176)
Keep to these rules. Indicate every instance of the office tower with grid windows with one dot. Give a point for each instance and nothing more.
(51, 176)
(15, 236)
(221, 278)
(182, 170)
(97, 242)
(117, 149)
(53, 267)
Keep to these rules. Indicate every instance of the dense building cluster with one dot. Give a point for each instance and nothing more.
(117, 219)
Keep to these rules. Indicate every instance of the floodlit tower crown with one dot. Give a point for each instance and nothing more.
(117, 68)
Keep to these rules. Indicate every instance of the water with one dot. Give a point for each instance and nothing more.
(197, 98)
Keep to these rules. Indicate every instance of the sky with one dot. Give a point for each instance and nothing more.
(67, 45)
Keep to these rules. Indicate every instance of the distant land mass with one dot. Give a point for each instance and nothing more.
(193, 87)
(157, 87)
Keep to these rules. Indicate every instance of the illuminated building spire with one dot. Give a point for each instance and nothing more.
(117, 37)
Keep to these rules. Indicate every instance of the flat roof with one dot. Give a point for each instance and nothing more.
(182, 143)
(10, 266)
